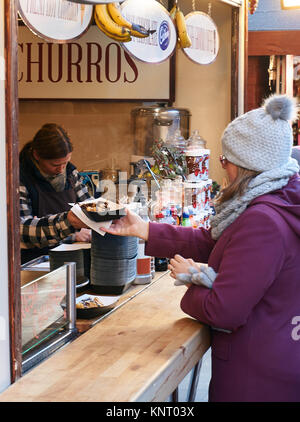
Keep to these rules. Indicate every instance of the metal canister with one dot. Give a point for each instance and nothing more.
(157, 122)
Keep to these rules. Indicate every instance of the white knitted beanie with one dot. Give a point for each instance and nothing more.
(261, 139)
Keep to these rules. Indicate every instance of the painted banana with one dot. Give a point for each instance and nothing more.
(172, 15)
(184, 38)
(124, 38)
(109, 25)
(135, 29)
(173, 11)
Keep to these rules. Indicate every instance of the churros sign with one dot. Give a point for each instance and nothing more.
(55, 20)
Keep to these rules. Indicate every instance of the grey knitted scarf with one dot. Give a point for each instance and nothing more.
(265, 182)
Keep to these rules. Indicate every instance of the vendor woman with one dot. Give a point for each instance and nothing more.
(48, 183)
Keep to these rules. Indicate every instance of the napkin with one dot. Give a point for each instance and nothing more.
(90, 223)
(71, 246)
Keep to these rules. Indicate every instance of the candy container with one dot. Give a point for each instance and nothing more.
(169, 157)
(197, 194)
(197, 158)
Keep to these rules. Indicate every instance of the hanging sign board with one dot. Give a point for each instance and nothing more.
(93, 67)
(56, 20)
(204, 36)
(158, 46)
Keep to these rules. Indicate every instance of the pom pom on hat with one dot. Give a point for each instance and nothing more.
(281, 107)
(261, 139)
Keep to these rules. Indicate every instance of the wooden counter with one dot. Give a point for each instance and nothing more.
(131, 292)
(140, 352)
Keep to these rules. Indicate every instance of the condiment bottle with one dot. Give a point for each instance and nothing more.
(186, 222)
(160, 263)
(144, 271)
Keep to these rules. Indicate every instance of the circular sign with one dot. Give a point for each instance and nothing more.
(161, 43)
(204, 36)
(56, 20)
(94, 1)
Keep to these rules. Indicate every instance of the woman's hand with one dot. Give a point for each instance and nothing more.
(129, 225)
(84, 235)
(180, 265)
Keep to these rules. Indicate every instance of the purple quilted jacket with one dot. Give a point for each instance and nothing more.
(256, 295)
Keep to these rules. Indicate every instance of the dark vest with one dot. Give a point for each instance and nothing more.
(45, 200)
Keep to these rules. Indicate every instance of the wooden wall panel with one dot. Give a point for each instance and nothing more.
(12, 186)
(267, 43)
(258, 81)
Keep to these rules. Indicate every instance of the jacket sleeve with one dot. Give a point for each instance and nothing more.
(48, 230)
(166, 240)
(41, 232)
(251, 262)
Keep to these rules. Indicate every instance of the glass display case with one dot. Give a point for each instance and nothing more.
(48, 312)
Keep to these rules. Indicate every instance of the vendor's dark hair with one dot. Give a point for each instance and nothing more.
(50, 142)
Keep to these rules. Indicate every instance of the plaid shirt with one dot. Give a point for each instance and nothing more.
(48, 230)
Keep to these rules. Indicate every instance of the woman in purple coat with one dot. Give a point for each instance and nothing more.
(249, 293)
